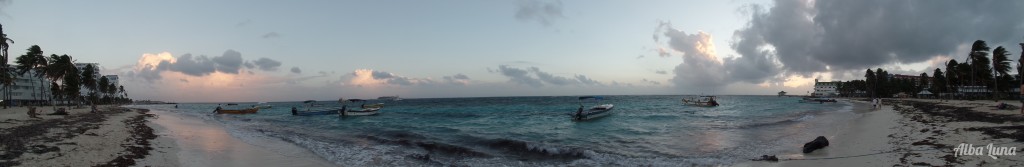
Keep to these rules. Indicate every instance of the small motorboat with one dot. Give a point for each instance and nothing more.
(263, 105)
(239, 111)
(371, 109)
(593, 112)
(309, 111)
(702, 101)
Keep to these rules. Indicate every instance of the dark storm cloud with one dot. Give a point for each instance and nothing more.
(801, 37)
(543, 12)
(267, 64)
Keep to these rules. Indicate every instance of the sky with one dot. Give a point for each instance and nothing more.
(231, 51)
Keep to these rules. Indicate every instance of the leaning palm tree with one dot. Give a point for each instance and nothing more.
(27, 63)
(1000, 67)
(40, 73)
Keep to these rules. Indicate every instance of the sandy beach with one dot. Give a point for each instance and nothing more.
(112, 137)
(118, 136)
(904, 132)
(918, 132)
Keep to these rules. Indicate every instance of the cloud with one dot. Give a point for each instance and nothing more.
(296, 70)
(652, 82)
(230, 62)
(534, 77)
(803, 36)
(701, 69)
(150, 66)
(457, 79)
(187, 64)
(271, 35)
(368, 77)
(587, 81)
(267, 64)
(243, 23)
(543, 12)
(660, 72)
(519, 76)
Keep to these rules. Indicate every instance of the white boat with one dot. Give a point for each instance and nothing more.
(371, 109)
(594, 112)
(702, 101)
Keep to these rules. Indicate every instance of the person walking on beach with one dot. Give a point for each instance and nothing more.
(877, 103)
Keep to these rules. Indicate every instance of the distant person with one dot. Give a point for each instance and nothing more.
(175, 106)
(32, 112)
(295, 111)
(217, 109)
(579, 113)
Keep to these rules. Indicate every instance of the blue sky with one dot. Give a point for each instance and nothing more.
(407, 48)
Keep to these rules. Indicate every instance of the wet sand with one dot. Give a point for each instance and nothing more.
(196, 142)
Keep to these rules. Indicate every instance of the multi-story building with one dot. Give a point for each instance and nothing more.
(96, 73)
(28, 89)
(825, 89)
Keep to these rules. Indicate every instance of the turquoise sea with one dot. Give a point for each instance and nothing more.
(536, 131)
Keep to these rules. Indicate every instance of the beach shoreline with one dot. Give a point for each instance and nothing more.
(916, 132)
(190, 141)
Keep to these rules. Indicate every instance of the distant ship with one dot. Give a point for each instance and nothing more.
(389, 98)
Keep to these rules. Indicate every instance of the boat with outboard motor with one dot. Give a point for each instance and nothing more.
(365, 109)
(594, 112)
(220, 110)
(309, 110)
(701, 101)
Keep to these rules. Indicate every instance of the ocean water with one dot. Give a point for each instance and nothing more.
(536, 131)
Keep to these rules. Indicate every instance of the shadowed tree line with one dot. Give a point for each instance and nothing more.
(65, 80)
(978, 77)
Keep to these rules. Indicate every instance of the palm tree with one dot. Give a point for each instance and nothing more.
(123, 92)
(1000, 67)
(952, 77)
(102, 85)
(111, 89)
(5, 74)
(978, 58)
(40, 73)
(27, 62)
(89, 81)
(62, 69)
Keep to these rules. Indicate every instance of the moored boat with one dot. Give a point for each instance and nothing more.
(593, 112)
(309, 111)
(239, 111)
(702, 101)
(371, 109)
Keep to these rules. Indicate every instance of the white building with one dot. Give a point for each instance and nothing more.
(28, 89)
(113, 79)
(96, 73)
(825, 89)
